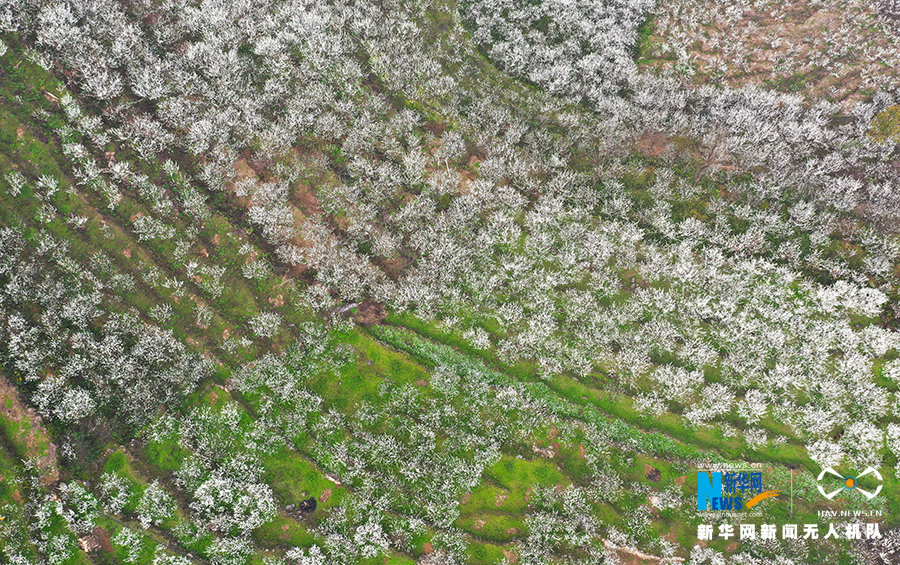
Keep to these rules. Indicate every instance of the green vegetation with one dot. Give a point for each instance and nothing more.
(886, 125)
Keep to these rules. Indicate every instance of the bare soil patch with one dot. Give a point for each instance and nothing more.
(840, 51)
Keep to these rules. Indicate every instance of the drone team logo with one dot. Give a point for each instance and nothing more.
(849, 483)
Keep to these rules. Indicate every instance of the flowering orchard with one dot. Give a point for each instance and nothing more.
(292, 282)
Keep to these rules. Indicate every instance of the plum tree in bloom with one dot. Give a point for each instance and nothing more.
(68, 403)
(650, 404)
(705, 556)
(147, 81)
(147, 227)
(161, 312)
(265, 324)
(258, 269)
(163, 559)
(755, 438)
(863, 441)
(301, 556)
(211, 278)
(230, 551)
(892, 438)
(891, 370)
(752, 408)
(79, 508)
(203, 315)
(14, 182)
(825, 453)
(131, 542)
(229, 507)
(677, 383)
(370, 539)
(155, 506)
(478, 337)
(115, 492)
(58, 26)
(445, 380)
(560, 520)
(102, 83)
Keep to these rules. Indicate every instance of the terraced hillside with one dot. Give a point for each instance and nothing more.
(435, 282)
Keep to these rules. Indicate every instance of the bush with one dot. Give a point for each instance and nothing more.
(886, 126)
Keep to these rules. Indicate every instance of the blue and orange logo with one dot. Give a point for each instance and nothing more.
(849, 482)
(726, 491)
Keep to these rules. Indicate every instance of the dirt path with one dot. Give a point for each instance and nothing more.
(24, 429)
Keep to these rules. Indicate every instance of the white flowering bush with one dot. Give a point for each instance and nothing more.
(753, 407)
(559, 519)
(371, 540)
(257, 269)
(161, 313)
(147, 227)
(115, 492)
(756, 438)
(226, 506)
(162, 559)
(230, 551)
(265, 324)
(155, 506)
(863, 442)
(308, 556)
(650, 404)
(68, 403)
(891, 370)
(825, 453)
(80, 508)
(130, 543)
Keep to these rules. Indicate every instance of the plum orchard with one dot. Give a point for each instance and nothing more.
(712, 260)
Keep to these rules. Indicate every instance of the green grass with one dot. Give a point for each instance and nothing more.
(886, 126)
(485, 498)
(11, 487)
(360, 380)
(165, 456)
(283, 530)
(294, 478)
(496, 527)
(485, 554)
(518, 475)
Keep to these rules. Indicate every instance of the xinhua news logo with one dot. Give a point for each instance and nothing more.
(727, 490)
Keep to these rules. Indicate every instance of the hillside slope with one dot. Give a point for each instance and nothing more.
(300, 283)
